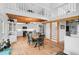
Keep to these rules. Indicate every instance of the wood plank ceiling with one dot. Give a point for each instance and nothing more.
(24, 19)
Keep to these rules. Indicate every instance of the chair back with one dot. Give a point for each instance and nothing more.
(41, 38)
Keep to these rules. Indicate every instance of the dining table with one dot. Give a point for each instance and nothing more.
(34, 37)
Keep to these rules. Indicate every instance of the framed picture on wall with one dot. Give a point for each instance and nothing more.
(62, 26)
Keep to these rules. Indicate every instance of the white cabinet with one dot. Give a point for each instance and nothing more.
(12, 34)
(12, 38)
(67, 44)
(71, 45)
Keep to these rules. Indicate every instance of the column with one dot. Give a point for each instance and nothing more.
(51, 30)
(57, 32)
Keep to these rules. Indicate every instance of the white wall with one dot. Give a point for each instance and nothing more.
(48, 30)
(62, 32)
(54, 31)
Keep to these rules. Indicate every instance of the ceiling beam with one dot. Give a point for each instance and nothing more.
(64, 19)
(24, 19)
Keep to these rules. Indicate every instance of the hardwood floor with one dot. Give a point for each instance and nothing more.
(22, 48)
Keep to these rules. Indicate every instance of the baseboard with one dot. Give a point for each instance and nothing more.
(67, 52)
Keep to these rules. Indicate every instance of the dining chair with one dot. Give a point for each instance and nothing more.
(40, 41)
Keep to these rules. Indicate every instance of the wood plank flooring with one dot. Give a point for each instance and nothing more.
(22, 48)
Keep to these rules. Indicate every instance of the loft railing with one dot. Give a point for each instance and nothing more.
(25, 8)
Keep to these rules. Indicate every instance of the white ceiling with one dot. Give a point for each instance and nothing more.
(49, 5)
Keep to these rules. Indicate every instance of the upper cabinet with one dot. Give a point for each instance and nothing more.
(11, 27)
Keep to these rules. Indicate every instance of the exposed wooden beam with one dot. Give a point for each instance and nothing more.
(71, 18)
(24, 19)
(64, 19)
